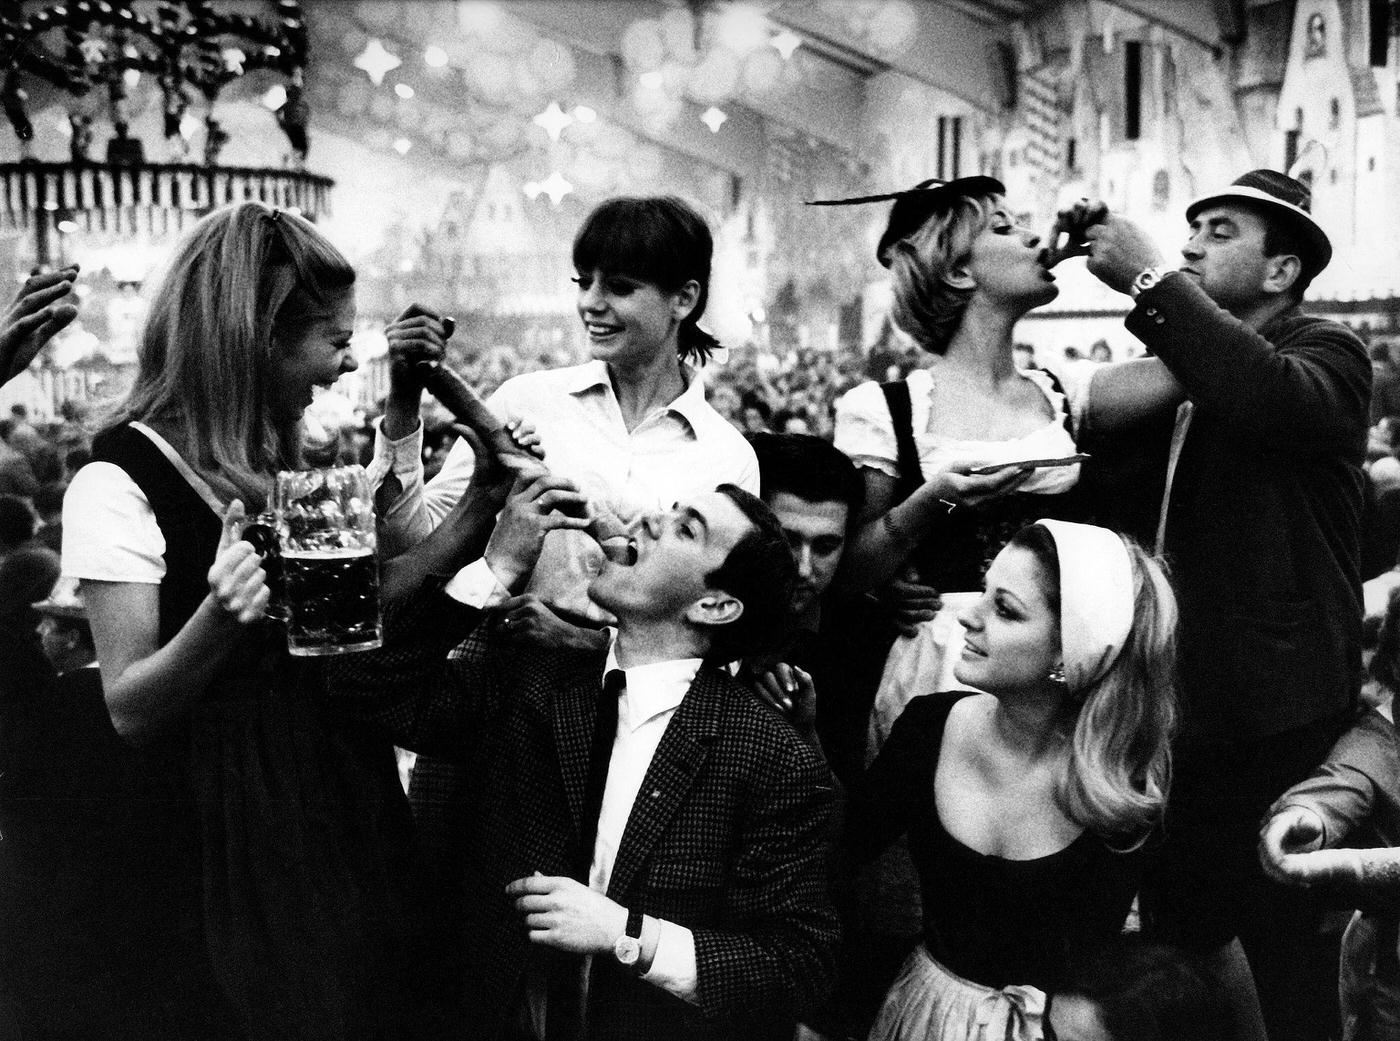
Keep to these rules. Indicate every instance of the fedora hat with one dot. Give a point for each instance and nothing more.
(914, 206)
(1280, 196)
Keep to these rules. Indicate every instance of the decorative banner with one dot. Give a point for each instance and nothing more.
(1043, 119)
(141, 200)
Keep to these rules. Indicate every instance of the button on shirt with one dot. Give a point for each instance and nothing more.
(684, 448)
(649, 700)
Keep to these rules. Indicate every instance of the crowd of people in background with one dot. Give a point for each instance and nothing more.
(935, 692)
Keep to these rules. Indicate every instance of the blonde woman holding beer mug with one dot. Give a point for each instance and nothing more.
(273, 905)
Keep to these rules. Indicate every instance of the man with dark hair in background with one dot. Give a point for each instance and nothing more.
(816, 494)
(48, 504)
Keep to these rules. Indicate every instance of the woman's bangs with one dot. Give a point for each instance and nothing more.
(625, 241)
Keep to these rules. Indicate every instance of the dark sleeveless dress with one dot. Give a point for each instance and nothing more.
(290, 840)
(991, 920)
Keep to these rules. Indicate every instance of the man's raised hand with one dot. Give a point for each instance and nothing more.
(45, 304)
(536, 507)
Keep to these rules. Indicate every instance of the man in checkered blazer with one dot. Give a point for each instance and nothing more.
(705, 911)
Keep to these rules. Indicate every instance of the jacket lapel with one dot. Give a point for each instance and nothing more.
(573, 715)
(668, 780)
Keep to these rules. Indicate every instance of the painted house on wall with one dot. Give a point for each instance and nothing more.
(1154, 111)
(1336, 121)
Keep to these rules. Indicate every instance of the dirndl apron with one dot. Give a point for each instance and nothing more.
(929, 1003)
(1369, 982)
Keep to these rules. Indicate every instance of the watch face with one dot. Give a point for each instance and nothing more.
(627, 950)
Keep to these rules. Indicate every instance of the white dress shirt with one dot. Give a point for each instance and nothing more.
(681, 449)
(649, 700)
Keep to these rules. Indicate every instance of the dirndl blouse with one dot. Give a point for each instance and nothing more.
(956, 552)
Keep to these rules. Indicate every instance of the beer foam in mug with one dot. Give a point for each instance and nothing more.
(335, 553)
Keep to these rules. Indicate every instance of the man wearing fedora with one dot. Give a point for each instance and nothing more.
(1261, 525)
(64, 631)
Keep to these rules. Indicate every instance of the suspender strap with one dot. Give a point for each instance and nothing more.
(200, 486)
(1059, 389)
(907, 454)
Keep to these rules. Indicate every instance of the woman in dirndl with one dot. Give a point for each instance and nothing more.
(1028, 795)
(275, 893)
(964, 270)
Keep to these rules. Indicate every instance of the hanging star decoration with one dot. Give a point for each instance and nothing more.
(556, 187)
(93, 50)
(713, 118)
(553, 119)
(785, 43)
(376, 62)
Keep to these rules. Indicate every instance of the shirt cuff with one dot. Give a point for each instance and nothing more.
(1318, 810)
(403, 457)
(673, 969)
(476, 586)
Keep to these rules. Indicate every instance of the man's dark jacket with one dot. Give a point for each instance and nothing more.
(728, 835)
(1263, 528)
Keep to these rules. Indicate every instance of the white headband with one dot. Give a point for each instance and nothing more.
(1096, 599)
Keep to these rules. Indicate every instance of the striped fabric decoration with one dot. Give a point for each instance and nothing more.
(1042, 118)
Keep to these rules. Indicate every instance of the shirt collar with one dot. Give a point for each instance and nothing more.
(690, 404)
(651, 689)
(590, 374)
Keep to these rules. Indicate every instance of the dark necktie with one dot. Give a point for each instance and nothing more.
(599, 758)
(565, 1006)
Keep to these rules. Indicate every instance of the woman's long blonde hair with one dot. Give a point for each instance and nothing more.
(925, 305)
(242, 278)
(1118, 774)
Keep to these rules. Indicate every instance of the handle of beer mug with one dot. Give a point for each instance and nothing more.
(261, 533)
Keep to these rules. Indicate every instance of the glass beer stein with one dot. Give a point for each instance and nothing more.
(330, 569)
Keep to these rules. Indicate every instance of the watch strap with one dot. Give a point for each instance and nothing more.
(634, 923)
(1147, 278)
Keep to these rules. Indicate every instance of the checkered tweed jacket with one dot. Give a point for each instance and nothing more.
(728, 837)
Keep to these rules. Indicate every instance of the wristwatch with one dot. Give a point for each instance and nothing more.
(1146, 279)
(628, 947)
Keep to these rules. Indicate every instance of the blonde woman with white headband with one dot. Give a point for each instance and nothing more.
(1028, 807)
